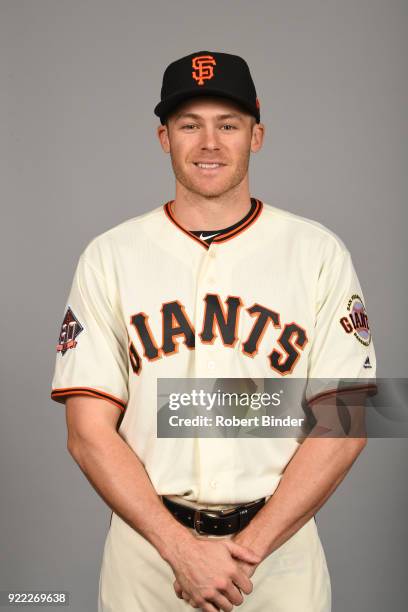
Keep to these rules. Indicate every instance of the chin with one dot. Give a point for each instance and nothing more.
(208, 190)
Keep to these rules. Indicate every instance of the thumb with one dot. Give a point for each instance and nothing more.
(242, 552)
(178, 589)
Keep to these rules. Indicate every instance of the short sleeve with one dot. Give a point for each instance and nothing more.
(91, 354)
(342, 354)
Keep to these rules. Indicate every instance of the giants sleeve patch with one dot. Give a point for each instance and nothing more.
(356, 320)
(70, 330)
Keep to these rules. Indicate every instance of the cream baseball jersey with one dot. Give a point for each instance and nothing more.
(277, 296)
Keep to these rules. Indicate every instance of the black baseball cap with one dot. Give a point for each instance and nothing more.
(208, 73)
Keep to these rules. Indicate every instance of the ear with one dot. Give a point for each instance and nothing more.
(258, 133)
(163, 136)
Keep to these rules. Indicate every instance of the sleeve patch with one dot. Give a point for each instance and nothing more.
(356, 320)
(70, 330)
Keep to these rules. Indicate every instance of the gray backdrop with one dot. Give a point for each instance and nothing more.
(79, 80)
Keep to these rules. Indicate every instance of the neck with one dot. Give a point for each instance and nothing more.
(196, 212)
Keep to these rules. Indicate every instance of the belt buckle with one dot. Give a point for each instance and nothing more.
(197, 519)
(242, 509)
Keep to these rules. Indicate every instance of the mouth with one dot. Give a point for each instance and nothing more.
(209, 165)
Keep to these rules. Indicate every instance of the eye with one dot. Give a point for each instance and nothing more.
(228, 127)
(189, 126)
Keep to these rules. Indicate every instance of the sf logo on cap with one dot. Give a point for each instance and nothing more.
(203, 68)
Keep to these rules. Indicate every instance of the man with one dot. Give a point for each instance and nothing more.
(212, 284)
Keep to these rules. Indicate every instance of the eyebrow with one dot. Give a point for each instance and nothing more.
(218, 117)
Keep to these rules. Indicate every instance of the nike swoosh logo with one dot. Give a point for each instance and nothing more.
(210, 236)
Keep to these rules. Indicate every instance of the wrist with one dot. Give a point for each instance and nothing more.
(252, 540)
(174, 544)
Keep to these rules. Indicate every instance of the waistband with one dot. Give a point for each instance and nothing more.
(179, 499)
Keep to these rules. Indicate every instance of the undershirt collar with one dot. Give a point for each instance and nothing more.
(208, 236)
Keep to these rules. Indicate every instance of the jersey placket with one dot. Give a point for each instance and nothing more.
(216, 456)
(207, 364)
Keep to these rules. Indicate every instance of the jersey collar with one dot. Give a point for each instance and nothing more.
(223, 237)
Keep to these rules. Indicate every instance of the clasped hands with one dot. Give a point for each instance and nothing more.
(212, 574)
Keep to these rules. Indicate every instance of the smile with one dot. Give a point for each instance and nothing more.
(208, 166)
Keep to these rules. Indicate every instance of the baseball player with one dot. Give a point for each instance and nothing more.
(212, 283)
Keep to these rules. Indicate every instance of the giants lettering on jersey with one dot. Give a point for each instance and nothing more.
(220, 320)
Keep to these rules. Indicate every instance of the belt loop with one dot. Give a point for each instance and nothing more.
(197, 521)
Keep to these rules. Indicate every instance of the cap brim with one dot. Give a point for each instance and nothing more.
(166, 106)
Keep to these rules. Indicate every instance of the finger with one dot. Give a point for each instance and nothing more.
(242, 581)
(209, 607)
(186, 596)
(247, 568)
(231, 595)
(177, 589)
(242, 552)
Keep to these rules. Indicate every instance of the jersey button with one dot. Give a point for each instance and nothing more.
(211, 365)
(214, 484)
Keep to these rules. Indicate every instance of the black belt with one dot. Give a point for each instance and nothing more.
(214, 522)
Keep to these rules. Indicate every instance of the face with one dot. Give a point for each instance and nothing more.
(210, 141)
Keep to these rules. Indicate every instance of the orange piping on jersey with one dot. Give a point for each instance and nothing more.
(366, 387)
(243, 227)
(168, 211)
(56, 394)
(222, 237)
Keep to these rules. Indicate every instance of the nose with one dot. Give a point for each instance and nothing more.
(209, 139)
